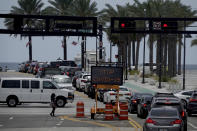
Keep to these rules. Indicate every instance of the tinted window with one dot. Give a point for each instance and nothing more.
(165, 112)
(123, 89)
(48, 85)
(35, 84)
(189, 93)
(25, 84)
(11, 84)
(194, 96)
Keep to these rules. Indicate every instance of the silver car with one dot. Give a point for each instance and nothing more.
(163, 119)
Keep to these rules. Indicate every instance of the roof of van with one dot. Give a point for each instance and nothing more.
(22, 78)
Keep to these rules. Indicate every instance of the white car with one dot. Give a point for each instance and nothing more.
(81, 81)
(110, 96)
(184, 96)
(64, 82)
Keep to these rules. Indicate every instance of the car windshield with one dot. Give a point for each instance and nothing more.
(165, 112)
(62, 80)
(123, 89)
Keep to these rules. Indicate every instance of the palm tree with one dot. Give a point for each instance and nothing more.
(84, 8)
(60, 7)
(26, 7)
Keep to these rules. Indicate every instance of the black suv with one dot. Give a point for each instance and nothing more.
(192, 104)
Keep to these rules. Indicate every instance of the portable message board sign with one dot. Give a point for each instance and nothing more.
(107, 75)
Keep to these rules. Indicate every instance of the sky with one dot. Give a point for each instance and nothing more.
(13, 49)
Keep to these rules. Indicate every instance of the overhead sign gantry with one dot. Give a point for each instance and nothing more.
(46, 25)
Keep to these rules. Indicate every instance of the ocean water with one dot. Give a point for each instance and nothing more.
(10, 65)
(15, 66)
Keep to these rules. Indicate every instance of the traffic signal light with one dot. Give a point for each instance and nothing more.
(128, 25)
(169, 25)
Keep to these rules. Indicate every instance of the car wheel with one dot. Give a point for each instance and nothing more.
(185, 127)
(60, 102)
(131, 109)
(12, 102)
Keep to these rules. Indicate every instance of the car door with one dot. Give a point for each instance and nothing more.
(48, 89)
(26, 90)
(35, 91)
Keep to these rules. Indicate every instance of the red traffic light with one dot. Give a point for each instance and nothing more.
(165, 25)
(122, 25)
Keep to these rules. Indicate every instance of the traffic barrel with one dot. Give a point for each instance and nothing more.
(123, 111)
(109, 112)
(80, 109)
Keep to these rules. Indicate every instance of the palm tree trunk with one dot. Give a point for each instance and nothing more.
(82, 52)
(151, 53)
(129, 55)
(137, 54)
(65, 48)
(179, 55)
(174, 57)
(165, 55)
(133, 52)
(158, 55)
(30, 49)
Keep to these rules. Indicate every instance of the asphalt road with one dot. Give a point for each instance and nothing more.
(35, 117)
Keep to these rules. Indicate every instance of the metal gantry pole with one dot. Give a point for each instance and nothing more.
(160, 61)
(143, 81)
(184, 53)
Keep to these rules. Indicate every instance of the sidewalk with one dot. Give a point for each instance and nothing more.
(138, 86)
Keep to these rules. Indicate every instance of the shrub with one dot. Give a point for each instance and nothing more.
(133, 72)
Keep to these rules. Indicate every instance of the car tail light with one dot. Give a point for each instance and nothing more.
(150, 121)
(94, 85)
(83, 80)
(192, 100)
(112, 94)
(67, 73)
(177, 121)
(129, 94)
(183, 114)
(134, 101)
(144, 105)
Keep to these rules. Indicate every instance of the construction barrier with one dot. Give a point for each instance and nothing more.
(123, 111)
(108, 111)
(80, 109)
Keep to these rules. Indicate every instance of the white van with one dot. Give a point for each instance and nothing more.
(17, 90)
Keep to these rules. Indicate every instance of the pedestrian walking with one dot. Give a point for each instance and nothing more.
(53, 105)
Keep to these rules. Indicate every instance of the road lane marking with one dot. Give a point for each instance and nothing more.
(137, 124)
(92, 122)
(133, 125)
(58, 124)
(11, 118)
(192, 125)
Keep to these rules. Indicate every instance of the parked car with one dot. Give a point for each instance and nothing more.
(87, 84)
(75, 77)
(184, 96)
(192, 104)
(64, 82)
(110, 96)
(143, 106)
(80, 82)
(134, 100)
(163, 119)
(172, 102)
(91, 91)
(16, 90)
(48, 72)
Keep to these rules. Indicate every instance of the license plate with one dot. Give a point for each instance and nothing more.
(163, 129)
(120, 94)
